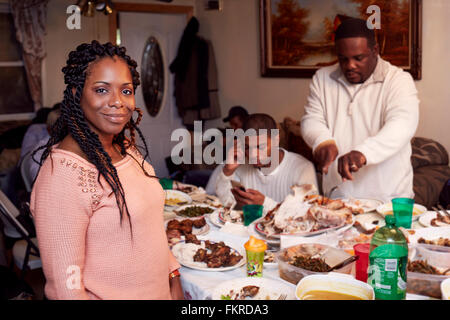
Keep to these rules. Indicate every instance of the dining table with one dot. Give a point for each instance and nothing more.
(200, 284)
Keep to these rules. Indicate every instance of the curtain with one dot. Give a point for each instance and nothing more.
(30, 19)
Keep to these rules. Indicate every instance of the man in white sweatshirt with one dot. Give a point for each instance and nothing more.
(266, 183)
(360, 116)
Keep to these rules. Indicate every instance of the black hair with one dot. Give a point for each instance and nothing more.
(72, 120)
(354, 27)
(259, 121)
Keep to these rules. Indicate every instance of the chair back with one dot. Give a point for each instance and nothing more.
(9, 214)
(25, 171)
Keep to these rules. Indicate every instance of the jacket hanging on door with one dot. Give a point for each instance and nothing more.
(195, 77)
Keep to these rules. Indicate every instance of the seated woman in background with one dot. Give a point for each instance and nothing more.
(98, 207)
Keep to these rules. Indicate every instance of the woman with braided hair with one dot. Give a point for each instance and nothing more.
(97, 204)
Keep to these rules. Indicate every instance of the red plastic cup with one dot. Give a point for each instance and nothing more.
(362, 250)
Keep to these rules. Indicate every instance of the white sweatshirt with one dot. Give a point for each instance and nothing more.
(276, 185)
(377, 118)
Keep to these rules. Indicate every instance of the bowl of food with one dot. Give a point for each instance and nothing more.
(445, 289)
(193, 210)
(428, 267)
(175, 198)
(333, 286)
(306, 259)
(386, 209)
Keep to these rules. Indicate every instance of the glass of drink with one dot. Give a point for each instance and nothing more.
(362, 250)
(251, 213)
(403, 211)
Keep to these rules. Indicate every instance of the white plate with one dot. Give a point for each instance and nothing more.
(223, 219)
(184, 252)
(192, 205)
(371, 220)
(425, 219)
(275, 242)
(418, 210)
(430, 233)
(195, 231)
(214, 219)
(268, 288)
(258, 228)
(175, 194)
(368, 205)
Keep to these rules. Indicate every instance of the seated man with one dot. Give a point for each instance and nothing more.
(267, 182)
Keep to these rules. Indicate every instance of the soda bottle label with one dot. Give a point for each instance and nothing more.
(387, 272)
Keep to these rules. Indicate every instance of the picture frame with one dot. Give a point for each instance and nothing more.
(297, 36)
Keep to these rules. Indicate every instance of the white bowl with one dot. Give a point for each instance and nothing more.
(334, 282)
(386, 208)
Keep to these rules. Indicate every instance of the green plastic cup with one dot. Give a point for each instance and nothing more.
(166, 183)
(251, 213)
(403, 211)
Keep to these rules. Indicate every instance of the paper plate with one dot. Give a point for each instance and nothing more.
(368, 205)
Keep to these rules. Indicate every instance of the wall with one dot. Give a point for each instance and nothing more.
(235, 36)
(60, 41)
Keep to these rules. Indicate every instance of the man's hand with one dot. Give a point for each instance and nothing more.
(248, 196)
(234, 156)
(350, 162)
(325, 154)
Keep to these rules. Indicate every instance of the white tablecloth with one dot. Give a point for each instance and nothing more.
(199, 285)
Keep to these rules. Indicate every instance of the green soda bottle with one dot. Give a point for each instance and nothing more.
(388, 260)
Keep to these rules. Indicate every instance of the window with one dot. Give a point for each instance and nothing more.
(15, 97)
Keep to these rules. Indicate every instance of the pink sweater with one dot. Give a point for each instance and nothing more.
(79, 231)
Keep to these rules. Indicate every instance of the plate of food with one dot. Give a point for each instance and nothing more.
(194, 210)
(269, 259)
(233, 216)
(360, 206)
(175, 198)
(253, 288)
(181, 229)
(386, 209)
(296, 215)
(433, 219)
(369, 222)
(437, 236)
(207, 255)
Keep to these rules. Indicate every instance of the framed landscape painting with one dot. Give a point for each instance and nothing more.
(297, 36)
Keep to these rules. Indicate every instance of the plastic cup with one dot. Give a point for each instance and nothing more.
(362, 250)
(255, 249)
(251, 213)
(403, 210)
(166, 183)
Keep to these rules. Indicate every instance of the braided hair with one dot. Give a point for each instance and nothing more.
(72, 120)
